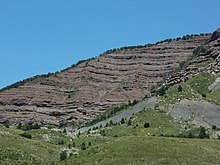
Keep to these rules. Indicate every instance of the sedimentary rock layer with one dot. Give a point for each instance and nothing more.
(90, 88)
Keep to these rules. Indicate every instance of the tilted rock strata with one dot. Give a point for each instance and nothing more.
(212, 54)
(87, 90)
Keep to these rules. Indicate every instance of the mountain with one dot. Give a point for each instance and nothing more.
(86, 90)
(181, 112)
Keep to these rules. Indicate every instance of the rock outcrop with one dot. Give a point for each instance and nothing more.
(205, 59)
(83, 92)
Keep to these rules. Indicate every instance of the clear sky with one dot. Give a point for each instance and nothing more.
(41, 36)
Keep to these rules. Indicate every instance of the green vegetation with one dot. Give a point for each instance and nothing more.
(146, 123)
(214, 97)
(27, 126)
(175, 94)
(16, 150)
(143, 139)
(83, 146)
(26, 135)
(150, 150)
(203, 134)
(180, 88)
(162, 90)
(199, 50)
(148, 137)
(111, 112)
(201, 82)
(203, 64)
(63, 155)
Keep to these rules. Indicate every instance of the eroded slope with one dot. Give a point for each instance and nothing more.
(85, 91)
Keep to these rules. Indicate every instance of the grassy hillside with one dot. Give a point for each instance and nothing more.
(150, 150)
(215, 97)
(128, 142)
(201, 82)
(19, 150)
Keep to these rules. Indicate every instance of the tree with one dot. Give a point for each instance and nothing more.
(146, 125)
(74, 144)
(214, 127)
(63, 155)
(19, 125)
(102, 132)
(110, 122)
(162, 90)
(129, 122)
(60, 142)
(179, 89)
(35, 126)
(122, 121)
(203, 95)
(190, 135)
(26, 135)
(89, 143)
(134, 102)
(202, 133)
(78, 134)
(83, 146)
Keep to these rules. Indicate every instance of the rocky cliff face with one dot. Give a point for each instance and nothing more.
(206, 58)
(90, 88)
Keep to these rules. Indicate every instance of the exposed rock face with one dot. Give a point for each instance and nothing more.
(92, 87)
(211, 55)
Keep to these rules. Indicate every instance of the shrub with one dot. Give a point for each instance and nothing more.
(26, 135)
(199, 50)
(122, 121)
(214, 127)
(129, 122)
(146, 125)
(27, 127)
(102, 132)
(60, 142)
(19, 126)
(162, 90)
(203, 95)
(202, 133)
(83, 146)
(74, 144)
(190, 135)
(63, 155)
(179, 89)
(110, 122)
(6, 125)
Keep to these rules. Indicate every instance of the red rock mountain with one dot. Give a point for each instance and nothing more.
(85, 91)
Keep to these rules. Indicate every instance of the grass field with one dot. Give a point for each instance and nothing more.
(201, 82)
(16, 150)
(159, 123)
(141, 150)
(215, 97)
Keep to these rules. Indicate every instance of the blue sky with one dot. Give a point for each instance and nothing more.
(41, 36)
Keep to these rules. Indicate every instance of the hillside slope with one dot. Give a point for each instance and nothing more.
(90, 88)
